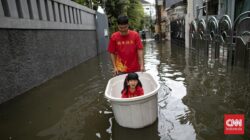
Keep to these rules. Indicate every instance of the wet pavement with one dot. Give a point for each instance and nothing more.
(195, 94)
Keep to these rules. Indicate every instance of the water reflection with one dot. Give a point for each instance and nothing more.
(70, 106)
(214, 90)
(147, 133)
(193, 98)
(173, 120)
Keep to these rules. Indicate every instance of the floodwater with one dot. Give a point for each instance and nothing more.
(195, 94)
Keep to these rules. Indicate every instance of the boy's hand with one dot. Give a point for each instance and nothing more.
(115, 71)
(142, 69)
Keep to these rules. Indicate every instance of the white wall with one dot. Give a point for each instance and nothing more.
(51, 14)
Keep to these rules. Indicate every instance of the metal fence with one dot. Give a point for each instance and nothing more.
(222, 40)
(178, 32)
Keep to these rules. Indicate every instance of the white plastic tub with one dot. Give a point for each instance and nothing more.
(136, 112)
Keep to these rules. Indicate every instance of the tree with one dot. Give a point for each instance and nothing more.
(113, 8)
(132, 8)
(91, 3)
(136, 14)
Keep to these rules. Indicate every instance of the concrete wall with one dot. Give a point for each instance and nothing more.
(102, 32)
(31, 57)
(41, 39)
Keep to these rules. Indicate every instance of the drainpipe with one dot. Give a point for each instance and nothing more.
(90, 4)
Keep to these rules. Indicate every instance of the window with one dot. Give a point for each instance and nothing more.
(212, 7)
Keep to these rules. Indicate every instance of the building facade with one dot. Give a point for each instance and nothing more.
(175, 11)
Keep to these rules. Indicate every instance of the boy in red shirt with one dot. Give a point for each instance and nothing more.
(126, 49)
(132, 86)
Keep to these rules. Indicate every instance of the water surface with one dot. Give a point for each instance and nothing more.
(194, 96)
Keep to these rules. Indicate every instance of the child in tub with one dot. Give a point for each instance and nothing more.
(132, 86)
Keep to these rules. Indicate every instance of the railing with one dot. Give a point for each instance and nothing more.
(222, 39)
(45, 14)
(178, 31)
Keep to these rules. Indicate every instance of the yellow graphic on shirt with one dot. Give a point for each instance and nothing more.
(119, 65)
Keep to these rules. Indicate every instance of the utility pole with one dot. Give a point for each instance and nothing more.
(158, 11)
(150, 21)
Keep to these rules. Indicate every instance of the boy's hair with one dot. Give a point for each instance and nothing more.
(131, 76)
(122, 20)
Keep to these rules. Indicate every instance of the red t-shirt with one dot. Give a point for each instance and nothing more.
(138, 92)
(125, 48)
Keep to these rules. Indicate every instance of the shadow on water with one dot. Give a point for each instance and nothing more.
(213, 90)
(193, 98)
(147, 133)
(69, 106)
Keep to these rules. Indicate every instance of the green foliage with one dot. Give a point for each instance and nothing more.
(82, 2)
(149, 23)
(94, 4)
(113, 8)
(136, 14)
(132, 8)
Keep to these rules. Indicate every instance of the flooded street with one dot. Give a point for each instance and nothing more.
(72, 106)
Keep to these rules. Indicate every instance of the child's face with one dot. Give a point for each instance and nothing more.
(132, 83)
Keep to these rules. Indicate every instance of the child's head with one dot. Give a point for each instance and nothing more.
(132, 76)
(132, 81)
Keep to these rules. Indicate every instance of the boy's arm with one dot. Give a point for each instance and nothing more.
(113, 58)
(141, 59)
